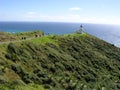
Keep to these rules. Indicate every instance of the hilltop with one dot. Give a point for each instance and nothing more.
(60, 62)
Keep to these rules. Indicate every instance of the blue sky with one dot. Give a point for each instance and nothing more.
(88, 11)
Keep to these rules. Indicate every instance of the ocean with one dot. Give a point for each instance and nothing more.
(109, 33)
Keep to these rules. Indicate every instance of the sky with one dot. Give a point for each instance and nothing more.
(85, 11)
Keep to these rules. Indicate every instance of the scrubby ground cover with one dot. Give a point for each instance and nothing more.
(60, 62)
(5, 37)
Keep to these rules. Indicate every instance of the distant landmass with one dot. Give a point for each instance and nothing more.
(59, 62)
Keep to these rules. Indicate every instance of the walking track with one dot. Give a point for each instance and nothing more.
(7, 42)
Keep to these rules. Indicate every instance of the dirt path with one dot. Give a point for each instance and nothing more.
(7, 42)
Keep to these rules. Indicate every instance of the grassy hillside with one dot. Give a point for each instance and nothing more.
(4, 37)
(65, 62)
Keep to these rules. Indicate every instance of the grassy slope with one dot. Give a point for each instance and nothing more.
(4, 37)
(71, 62)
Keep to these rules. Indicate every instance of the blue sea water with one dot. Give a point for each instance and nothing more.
(109, 33)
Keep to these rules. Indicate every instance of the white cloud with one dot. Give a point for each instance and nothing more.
(34, 16)
(43, 16)
(31, 13)
(56, 17)
(75, 16)
(75, 9)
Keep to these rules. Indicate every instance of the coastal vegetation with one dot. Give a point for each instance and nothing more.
(59, 62)
(4, 37)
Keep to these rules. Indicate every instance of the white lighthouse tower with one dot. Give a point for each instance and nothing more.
(81, 29)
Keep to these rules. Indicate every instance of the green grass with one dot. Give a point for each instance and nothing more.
(60, 62)
(18, 36)
(43, 40)
(22, 87)
(53, 38)
(3, 49)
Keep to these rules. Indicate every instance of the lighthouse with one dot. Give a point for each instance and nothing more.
(81, 29)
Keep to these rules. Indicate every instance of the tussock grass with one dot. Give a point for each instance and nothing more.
(60, 62)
